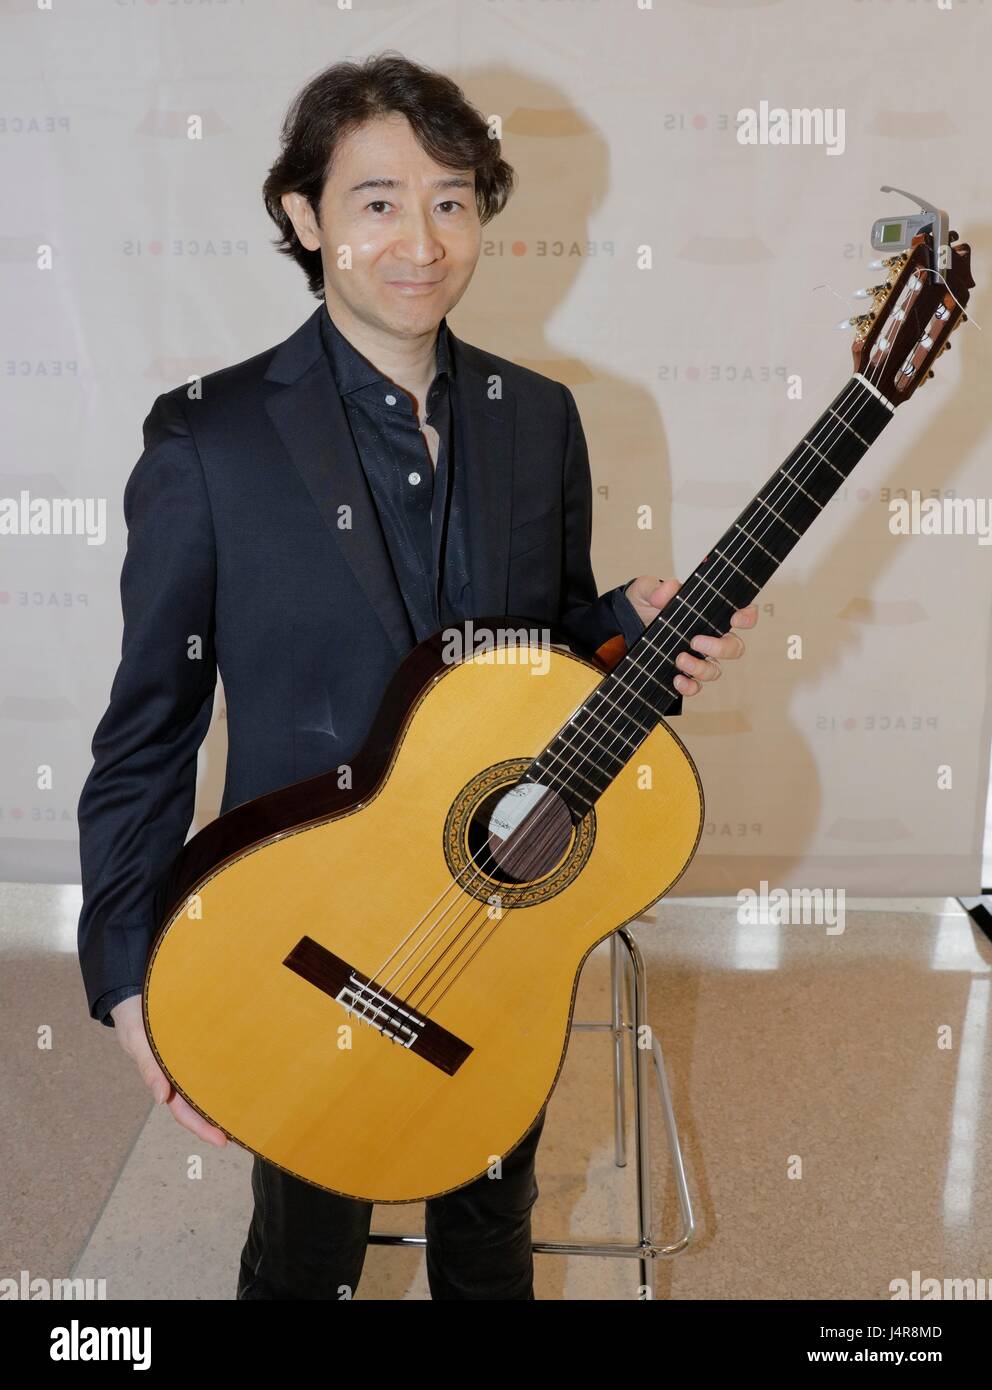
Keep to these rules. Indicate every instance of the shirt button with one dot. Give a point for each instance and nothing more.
(390, 400)
(413, 478)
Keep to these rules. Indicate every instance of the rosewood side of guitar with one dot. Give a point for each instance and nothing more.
(282, 912)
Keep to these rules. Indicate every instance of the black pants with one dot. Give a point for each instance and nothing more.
(305, 1242)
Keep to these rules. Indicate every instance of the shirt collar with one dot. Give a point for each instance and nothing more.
(353, 371)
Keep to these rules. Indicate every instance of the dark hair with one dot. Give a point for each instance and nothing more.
(346, 96)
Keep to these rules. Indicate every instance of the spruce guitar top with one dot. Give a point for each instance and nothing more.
(372, 986)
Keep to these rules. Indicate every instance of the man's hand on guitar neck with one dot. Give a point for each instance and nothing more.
(650, 595)
(131, 1035)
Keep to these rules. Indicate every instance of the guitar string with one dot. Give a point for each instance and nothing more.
(645, 672)
(585, 738)
(642, 670)
(425, 940)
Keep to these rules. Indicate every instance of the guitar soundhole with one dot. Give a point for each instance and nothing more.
(515, 838)
(521, 833)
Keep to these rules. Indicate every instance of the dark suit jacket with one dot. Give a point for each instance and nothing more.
(236, 560)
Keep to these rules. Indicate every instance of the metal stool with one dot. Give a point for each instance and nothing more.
(628, 987)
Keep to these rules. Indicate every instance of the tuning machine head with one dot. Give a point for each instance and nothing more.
(928, 278)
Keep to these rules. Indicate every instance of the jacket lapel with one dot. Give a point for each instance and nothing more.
(311, 422)
(484, 434)
(310, 419)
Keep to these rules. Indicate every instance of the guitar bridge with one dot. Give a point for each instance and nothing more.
(388, 1014)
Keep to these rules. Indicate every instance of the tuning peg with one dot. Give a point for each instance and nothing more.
(888, 262)
(859, 323)
(871, 292)
(891, 264)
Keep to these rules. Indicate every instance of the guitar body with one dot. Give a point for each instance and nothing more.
(377, 886)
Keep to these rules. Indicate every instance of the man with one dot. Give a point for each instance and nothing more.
(299, 521)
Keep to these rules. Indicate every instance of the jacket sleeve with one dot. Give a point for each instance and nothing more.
(594, 620)
(137, 803)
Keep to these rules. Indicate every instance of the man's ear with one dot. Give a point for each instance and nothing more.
(300, 213)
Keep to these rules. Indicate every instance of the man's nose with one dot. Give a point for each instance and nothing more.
(417, 240)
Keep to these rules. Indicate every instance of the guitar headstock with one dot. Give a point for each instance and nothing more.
(913, 315)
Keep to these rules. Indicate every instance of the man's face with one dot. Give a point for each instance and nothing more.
(405, 219)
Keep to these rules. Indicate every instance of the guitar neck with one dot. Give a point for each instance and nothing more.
(607, 729)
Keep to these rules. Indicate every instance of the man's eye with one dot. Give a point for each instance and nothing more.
(450, 203)
(379, 203)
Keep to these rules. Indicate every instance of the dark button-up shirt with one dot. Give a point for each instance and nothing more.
(421, 505)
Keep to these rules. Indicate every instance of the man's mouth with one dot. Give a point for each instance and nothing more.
(414, 286)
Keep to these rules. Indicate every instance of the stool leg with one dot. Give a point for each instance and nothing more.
(642, 1135)
(618, 978)
(640, 1056)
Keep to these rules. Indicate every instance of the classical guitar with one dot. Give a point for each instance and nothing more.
(372, 985)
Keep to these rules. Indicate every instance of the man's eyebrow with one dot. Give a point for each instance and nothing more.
(456, 181)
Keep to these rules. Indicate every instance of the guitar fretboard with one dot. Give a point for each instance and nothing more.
(605, 732)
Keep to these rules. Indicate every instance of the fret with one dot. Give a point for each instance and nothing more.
(733, 548)
(645, 729)
(781, 518)
(788, 477)
(562, 773)
(754, 541)
(654, 679)
(603, 735)
(717, 631)
(810, 445)
(730, 601)
(612, 732)
(794, 508)
(848, 427)
(666, 620)
(626, 702)
(725, 559)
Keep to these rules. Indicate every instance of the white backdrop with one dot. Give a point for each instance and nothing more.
(620, 121)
